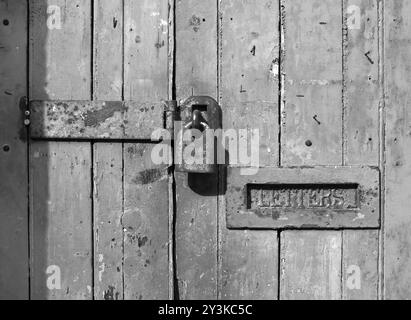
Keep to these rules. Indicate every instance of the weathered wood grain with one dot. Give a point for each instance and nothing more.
(95, 119)
(196, 212)
(310, 265)
(60, 58)
(146, 50)
(14, 264)
(60, 183)
(196, 237)
(249, 70)
(397, 237)
(108, 158)
(196, 48)
(362, 82)
(146, 205)
(61, 220)
(108, 229)
(311, 118)
(362, 94)
(108, 50)
(360, 265)
(249, 265)
(145, 222)
(312, 135)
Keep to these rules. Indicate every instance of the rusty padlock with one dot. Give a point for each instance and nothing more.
(195, 143)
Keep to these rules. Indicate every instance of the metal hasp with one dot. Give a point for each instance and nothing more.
(196, 150)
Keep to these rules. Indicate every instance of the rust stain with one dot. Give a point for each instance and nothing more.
(149, 176)
(94, 118)
(195, 22)
(142, 241)
(110, 295)
(136, 149)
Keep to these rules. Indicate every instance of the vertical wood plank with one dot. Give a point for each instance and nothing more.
(108, 50)
(361, 79)
(312, 135)
(249, 97)
(312, 126)
(108, 229)
(360, 265)
(61, 221)
(249, 71)
(145, 50)
(108, 159)
(60, 43)
(145, 222)
(397, 237)
(145, 217)
(196, 212)
(311, 265)
(249, 265)
(196, 48)
(14, 265)
(61, 226)
(361, 134)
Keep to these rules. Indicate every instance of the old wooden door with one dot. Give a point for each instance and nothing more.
(87, 214)
(307, 224)
(99, 207)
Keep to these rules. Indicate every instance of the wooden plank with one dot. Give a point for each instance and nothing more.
(14, 264)
(108, 158)
(249, 96)
(108, 229)
(196, 212)
(61, 227)
(312, 126)
(61, 221)
(312, 135)
(310, 265)
(196, 236)
(95, 119)
(362, 94)
(249, 265)
(146, 50)
(397, 238)
(145, 222)
(146, 205)
(249, 71)
(362, 82)
(196, 48)
(108, 49)
(360, 265)
(60, 50)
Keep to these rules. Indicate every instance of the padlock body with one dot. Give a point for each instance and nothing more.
(196, 151)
